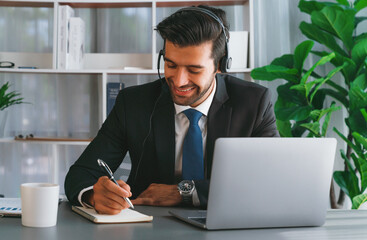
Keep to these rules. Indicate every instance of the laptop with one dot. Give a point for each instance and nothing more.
(267, 183)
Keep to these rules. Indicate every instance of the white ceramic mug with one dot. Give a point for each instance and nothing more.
(40, 203)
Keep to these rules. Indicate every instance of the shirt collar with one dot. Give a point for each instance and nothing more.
(203, 107)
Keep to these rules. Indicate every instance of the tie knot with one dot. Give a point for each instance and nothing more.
(193, 115)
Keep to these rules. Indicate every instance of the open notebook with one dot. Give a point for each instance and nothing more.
(125, 216)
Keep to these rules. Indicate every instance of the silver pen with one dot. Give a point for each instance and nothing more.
(104, 166)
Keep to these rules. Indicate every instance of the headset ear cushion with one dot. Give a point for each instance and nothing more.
(229, 63)
(223, 64)
(161, 53)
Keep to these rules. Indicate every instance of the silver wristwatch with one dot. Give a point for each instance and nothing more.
(186, 189)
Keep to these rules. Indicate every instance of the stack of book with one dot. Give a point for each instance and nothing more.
(71, 38)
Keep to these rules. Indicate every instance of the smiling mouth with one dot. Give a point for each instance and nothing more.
(183, 92)
(186, 90)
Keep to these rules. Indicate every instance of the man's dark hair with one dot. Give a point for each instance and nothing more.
(192, 28)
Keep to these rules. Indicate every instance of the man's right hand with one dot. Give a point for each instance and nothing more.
(107, 197)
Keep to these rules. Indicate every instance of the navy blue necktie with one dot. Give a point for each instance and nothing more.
(192, 154)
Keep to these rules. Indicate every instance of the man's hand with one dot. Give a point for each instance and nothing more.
(107, 197)
(159, 195)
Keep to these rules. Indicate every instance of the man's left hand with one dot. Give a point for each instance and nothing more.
(159, 195)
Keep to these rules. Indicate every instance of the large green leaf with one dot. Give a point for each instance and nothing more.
(354, 147)
(272, 72)
(301, 88)
(336, 21)
(314, 128)
(328, 113)
(336, 95)
(359, 5)
(284, 128)
(300, 54)
(297, 130)
(357, 93)
(343, 2)
(313, 32)
(347, 182)
(363, 174)
(285, 60)
(358, 200)
(314, 86)
(310, 6)
(342, 91)
(297, 113)
(359, 52)
(361, 162)
(321, 61)
(290, 105)
(305, 88)
(354, 187)
(318, 100)
(317, 114)
(328, 77)
(289, 96)
(356, 161)
(360, 139)
(356, 123)
(364, 114)
(349, 69)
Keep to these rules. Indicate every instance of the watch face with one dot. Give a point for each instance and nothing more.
(186, 186)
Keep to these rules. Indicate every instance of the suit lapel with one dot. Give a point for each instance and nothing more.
(219, 118)
(164, 136)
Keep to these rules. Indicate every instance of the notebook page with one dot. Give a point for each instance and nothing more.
(125, 216)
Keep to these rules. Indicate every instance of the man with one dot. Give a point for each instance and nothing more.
(153, 123)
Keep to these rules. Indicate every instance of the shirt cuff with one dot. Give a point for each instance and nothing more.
(195, 198)
(80, 197)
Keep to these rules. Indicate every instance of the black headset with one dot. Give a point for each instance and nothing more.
(225, 62)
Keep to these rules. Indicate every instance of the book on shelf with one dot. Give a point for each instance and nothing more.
(238, 49)
(65, 12)
(113, 89)
(75, 58)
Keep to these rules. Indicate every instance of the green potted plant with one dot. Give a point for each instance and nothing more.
(7, 99)
(299, 107)
(333, 25)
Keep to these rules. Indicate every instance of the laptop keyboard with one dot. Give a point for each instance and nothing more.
(201, 220)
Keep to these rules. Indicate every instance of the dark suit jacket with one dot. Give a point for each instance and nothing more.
(142, 122)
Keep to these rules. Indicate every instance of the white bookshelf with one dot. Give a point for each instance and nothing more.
(106, 64)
